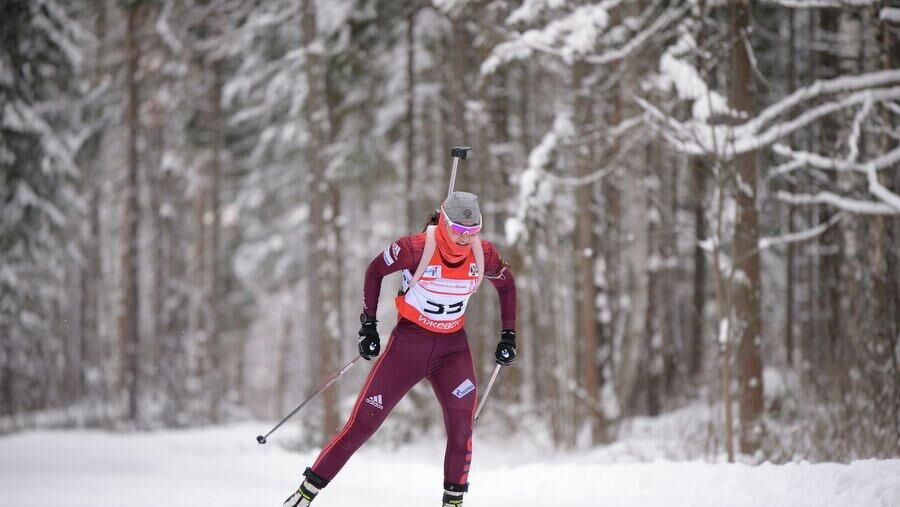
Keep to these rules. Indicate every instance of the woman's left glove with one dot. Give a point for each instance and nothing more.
(506, 349)
(369, 344)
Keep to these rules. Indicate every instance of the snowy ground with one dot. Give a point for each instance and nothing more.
(224, 467)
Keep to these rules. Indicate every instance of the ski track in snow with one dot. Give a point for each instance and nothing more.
(224, 467)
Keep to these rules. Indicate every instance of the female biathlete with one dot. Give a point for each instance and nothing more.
(428, 342)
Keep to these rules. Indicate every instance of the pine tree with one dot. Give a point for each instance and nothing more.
(38, 140)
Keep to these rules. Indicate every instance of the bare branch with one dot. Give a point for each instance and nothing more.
(798, 236)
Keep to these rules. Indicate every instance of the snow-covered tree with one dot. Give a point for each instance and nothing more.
(39, 136)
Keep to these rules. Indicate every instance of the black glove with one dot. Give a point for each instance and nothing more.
(506, 349)
(369, 343)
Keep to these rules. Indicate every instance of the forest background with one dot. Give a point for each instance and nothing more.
(699, 200)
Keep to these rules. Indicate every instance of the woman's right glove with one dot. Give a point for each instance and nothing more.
(369, 343)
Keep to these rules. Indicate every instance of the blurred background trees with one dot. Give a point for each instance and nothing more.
(699, 200)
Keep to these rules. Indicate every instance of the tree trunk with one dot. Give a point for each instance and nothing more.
(672, 328)
(91, 276)
(321, 282)
(698, 172)
(651, 362)
(155, 346)
(830, 242)
(586, 326)
(218, 385)
(789, 267)
(73, 343)
(636, 281)
(746, 281)
(615, 279)
(282, 362)
(198, 349)
(129, 310)
(885, 253)
(409, 191)
(698, 179)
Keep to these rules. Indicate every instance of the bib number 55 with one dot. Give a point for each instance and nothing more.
(441, 309)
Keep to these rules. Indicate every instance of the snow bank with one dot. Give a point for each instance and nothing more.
(225, 467)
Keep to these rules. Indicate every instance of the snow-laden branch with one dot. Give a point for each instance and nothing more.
(824, 87)
(700, 138)
(530, 10)
(890, 14)
(685, 79)
(598, 174)
(573, 35)
(814, 160)
(261, 20)
(20, 116)
(754, 63)
(535, 191)
(581, 393)
(786, 168)
(709, 245)
(890, 202)
(798, 236)
(820, 4)
(893, 106)
(843, 203)
(26, 196)
(164, 30)
(880, 191)
(853, 139)
(272, 81)
(748, 141)
(535, 188)
(69, 36)
(538, 186)
(609, 135)
(639, 39)
(576, 36)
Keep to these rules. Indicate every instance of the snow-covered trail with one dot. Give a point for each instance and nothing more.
(224, 467)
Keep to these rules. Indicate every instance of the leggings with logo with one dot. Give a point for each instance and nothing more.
(413, 354)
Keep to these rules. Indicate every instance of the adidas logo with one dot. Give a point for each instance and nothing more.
(375, 401)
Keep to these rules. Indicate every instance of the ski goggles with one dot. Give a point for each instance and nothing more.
(471, 230)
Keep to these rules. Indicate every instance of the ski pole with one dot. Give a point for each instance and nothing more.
(262, 438)
(457, 152)
(487, 392)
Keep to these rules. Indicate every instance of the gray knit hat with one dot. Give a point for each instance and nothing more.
(462, 208)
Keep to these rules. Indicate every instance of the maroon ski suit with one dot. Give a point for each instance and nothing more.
(414, 353)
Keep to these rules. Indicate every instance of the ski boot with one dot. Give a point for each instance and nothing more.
(307, 491)
(453, 494)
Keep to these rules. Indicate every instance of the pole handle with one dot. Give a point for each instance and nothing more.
(460, 151)
(457, 153)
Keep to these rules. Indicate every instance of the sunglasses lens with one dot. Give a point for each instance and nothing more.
(461, 229)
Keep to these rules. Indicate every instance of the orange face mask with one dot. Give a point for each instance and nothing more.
(450, 250)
